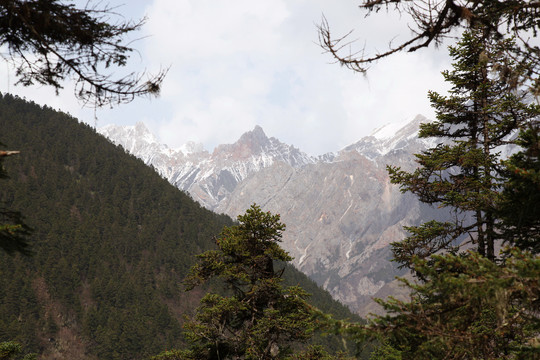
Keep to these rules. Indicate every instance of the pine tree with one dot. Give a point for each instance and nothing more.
(519, 207)
(50, 41)
(257, 318)
(484, 110)
(468, 302)
(433, 21)
(468, 307)
(10, 349)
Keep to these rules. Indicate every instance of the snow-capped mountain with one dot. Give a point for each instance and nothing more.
(391, 137)
(340, 209)
(209, 178)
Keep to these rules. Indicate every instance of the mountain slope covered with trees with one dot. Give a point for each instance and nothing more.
(111, 242)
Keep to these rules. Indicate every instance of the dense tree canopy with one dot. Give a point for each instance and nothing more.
(111, 240)
(468, 308)
(48, 41)
(519, 206)
(13, 231)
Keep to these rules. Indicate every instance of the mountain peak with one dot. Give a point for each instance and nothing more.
(250, 143)
(391, 130)
(257, 128)
(391, 136)
(139, 126)
(255, 136)
(128, 136)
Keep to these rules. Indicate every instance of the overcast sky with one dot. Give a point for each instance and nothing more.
(238, 63)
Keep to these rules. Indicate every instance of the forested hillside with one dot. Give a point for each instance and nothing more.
(111, 244)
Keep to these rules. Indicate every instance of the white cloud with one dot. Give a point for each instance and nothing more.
(238, 63)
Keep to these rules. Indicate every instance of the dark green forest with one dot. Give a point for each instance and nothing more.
(110, 243)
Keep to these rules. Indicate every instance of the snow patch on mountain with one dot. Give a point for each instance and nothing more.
(209, 178)
(389, 130)
(391, 137)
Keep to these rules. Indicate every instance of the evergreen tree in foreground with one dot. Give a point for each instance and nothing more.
(519, 207)
(470, 303)
(484, 111)
(258, 318)
(468, 308)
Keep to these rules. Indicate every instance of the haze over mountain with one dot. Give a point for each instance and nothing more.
(340, 209)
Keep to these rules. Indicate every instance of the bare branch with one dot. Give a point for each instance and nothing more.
(354, 60)
(49, 42)
(435, 20)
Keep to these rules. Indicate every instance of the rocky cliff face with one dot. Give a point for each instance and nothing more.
(340, 209)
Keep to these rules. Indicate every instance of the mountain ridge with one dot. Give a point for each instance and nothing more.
(208, 177)
(340, 209)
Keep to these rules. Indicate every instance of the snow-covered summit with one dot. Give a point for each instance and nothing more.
(207, 177)
(391, 137)
(136, 139)
(255, 144)
(136, 134)
(389, 130)
(211, 177)
(140, 141)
